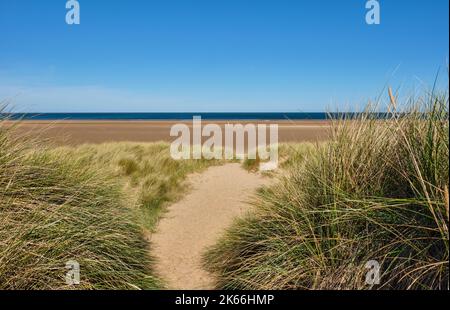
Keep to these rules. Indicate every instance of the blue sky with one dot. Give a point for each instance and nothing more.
(216, 55)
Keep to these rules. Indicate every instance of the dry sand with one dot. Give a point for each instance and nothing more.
(79, 132)
(196, 222)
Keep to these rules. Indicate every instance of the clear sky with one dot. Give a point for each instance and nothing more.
(216, 55)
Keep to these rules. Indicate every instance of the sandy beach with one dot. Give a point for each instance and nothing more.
(80, 132)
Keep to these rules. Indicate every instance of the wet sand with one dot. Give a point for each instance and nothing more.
(80, 132)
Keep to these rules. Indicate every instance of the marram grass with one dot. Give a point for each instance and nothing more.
(54, 209)
(378, 190)
(93, 204)
(150, 177)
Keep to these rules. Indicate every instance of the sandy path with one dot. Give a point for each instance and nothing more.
(218, 195)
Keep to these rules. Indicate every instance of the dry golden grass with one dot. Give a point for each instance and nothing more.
(150, 177)
(378, 190)
(92, 204)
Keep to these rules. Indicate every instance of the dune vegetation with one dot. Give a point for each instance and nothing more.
(377, 191)
(150, 177)
(93, 204)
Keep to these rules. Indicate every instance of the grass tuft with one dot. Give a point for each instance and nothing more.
(94, 204)
(378, 190)
(55, 209)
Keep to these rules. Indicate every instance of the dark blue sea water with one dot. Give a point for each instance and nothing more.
(169, 116)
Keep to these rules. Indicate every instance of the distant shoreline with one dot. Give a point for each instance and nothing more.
(174, 121)
(178, 116)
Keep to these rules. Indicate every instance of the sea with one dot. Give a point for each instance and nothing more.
(170, 116)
